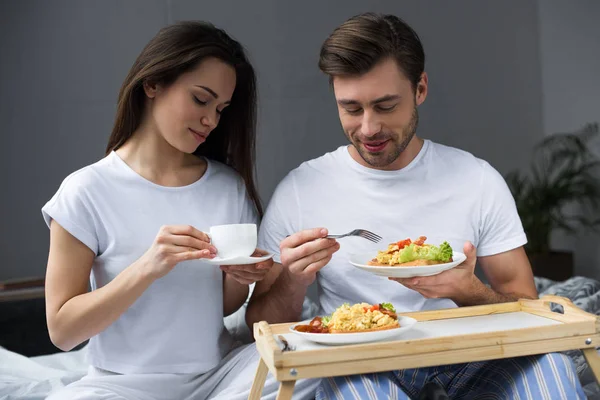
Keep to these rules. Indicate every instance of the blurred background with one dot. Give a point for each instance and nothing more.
(504, 75)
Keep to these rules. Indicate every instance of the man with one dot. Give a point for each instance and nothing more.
(394, 183)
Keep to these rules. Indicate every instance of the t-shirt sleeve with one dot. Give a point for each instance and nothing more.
(281, 217)
(500, 228)
(71, 208)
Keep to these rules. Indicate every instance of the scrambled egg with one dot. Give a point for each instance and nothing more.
(385, 257)
(391, 256)
(354, 318)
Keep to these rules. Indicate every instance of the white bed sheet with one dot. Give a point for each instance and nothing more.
(33, 378)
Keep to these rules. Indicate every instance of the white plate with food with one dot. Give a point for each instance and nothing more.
(407, 259)
(349, 325)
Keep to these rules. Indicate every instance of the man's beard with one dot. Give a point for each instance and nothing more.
(398, 144)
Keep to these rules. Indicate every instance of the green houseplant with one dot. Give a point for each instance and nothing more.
(561, 191)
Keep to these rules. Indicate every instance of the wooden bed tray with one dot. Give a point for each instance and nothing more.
(440, 337)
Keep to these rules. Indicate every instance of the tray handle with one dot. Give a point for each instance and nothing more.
(563, 301)
(569, 309)
(262, 328)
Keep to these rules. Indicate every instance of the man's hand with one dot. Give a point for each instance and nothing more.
(304, 253)
(456, 283)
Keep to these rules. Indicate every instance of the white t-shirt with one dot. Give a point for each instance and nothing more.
(176, 325)
(444, 194)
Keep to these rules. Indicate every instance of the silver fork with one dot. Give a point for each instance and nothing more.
(358, 232)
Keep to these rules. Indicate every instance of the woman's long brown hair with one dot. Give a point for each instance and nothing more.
(177, 49)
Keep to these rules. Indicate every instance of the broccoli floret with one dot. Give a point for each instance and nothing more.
(445, 252)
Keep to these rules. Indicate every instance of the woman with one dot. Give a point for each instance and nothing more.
(179, 160)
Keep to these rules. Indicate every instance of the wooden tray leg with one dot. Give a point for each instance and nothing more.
(285, 390)
(259, 381)
(593, 360)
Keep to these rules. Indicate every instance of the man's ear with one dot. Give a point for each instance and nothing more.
(421, 92)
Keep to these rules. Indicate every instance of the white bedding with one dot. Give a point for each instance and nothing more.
(34, 378)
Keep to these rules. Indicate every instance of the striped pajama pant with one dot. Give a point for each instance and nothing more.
(548, 376)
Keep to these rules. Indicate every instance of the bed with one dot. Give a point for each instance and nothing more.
(32, 378)
(585, 293)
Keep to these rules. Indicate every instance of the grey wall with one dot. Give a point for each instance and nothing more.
(63, 61)
(570, 66)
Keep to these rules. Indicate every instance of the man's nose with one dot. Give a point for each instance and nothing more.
(370, 125)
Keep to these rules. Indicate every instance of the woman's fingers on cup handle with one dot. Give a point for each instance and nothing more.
(187, 230)
(192, 242)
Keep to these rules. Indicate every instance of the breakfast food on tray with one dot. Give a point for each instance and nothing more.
(361, 317)
(406, 253)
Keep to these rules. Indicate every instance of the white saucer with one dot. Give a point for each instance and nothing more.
(237, 260)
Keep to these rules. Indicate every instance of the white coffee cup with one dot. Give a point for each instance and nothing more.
(234, 240)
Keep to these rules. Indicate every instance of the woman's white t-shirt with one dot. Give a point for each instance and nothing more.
(176, 325)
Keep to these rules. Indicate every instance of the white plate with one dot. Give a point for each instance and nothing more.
(406, 323)
(361, 260)
(237, 260)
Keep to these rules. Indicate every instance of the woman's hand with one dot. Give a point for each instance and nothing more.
(249, 273)
(172, 245)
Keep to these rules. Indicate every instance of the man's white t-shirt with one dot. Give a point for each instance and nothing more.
(176, 325)
(444, 194)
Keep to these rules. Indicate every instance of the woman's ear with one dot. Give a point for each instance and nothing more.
(151, 89)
